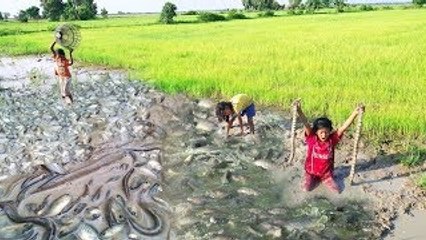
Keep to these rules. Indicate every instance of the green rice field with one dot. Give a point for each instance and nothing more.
(331, 61)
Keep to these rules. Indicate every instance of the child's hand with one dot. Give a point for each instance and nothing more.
(360, 108)
(298, 104)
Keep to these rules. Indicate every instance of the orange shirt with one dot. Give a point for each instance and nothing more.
(62, 66)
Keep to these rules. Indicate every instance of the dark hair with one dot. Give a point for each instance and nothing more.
(322, 122)
(220, 108)
(60, 51)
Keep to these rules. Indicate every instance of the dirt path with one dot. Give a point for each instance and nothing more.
(217, 189)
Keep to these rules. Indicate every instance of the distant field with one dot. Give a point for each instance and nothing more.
(331, 61)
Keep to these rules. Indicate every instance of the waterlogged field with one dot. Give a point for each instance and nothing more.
(331, 61)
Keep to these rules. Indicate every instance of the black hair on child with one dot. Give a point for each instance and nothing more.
(322, 122)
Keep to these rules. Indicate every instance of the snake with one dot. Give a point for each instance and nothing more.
(356, 144)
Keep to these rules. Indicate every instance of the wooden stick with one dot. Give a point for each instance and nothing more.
(356, 143)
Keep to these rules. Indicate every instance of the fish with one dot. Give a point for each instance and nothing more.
(57, 206)
(114, 231)
(87, 232)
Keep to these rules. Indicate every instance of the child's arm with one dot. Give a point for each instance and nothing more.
(71, 59)
(229, 125)
(302, 116)
(240, 121)
(52, 47)
(348, 122)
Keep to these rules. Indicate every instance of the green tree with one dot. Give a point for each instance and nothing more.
(261, 5)
(70, 11)
(294, 3)
(313, 4)
(6, 15)
(1, 17)
(419, 2)
(85, 12)
(22, 16)
(326, 3)
(168, 13)
(80, 10)
(33, 12)
(52, 9)
(104, 13)
(339, 5)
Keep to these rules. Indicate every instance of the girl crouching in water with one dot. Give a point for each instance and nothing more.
(321, 141)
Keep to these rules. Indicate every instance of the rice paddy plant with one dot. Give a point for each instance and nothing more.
(331, 61)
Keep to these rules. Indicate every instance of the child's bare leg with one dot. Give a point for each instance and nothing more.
(251, 124)
(68, 89)
(64, 84)
(331, 184)
(62, 87)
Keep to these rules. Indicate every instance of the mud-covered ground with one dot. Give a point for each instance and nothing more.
(218, 189)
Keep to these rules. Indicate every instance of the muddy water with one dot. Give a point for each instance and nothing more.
(212, 188)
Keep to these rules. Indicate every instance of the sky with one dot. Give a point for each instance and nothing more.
(113, 6)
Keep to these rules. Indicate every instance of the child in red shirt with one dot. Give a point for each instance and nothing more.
(63, 72)
(321, 141)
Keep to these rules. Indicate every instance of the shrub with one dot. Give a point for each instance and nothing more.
(210, 17)
(387, 8)
(309, 11)
(365, 7)
(234, 14)
(191, 12)
(415, 156)
(267, 13)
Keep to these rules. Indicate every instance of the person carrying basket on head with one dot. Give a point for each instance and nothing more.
(68, 36)
(62, 65)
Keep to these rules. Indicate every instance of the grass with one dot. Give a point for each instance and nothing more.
(331, 61)
(422, 181)
(415, 156)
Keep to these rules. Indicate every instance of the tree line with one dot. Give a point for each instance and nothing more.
(55, 10)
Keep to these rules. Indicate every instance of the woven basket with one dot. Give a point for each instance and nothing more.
(68, 36)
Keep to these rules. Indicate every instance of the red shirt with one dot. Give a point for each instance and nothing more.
(320, 155)
(62, 66)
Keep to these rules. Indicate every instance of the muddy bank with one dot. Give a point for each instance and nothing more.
(216, 189)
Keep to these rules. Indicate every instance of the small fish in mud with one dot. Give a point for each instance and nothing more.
(115, 231)
(247, 191)
(93, 213)
(87, 232)
(264, 164)
(54, 168)
(57, 206)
